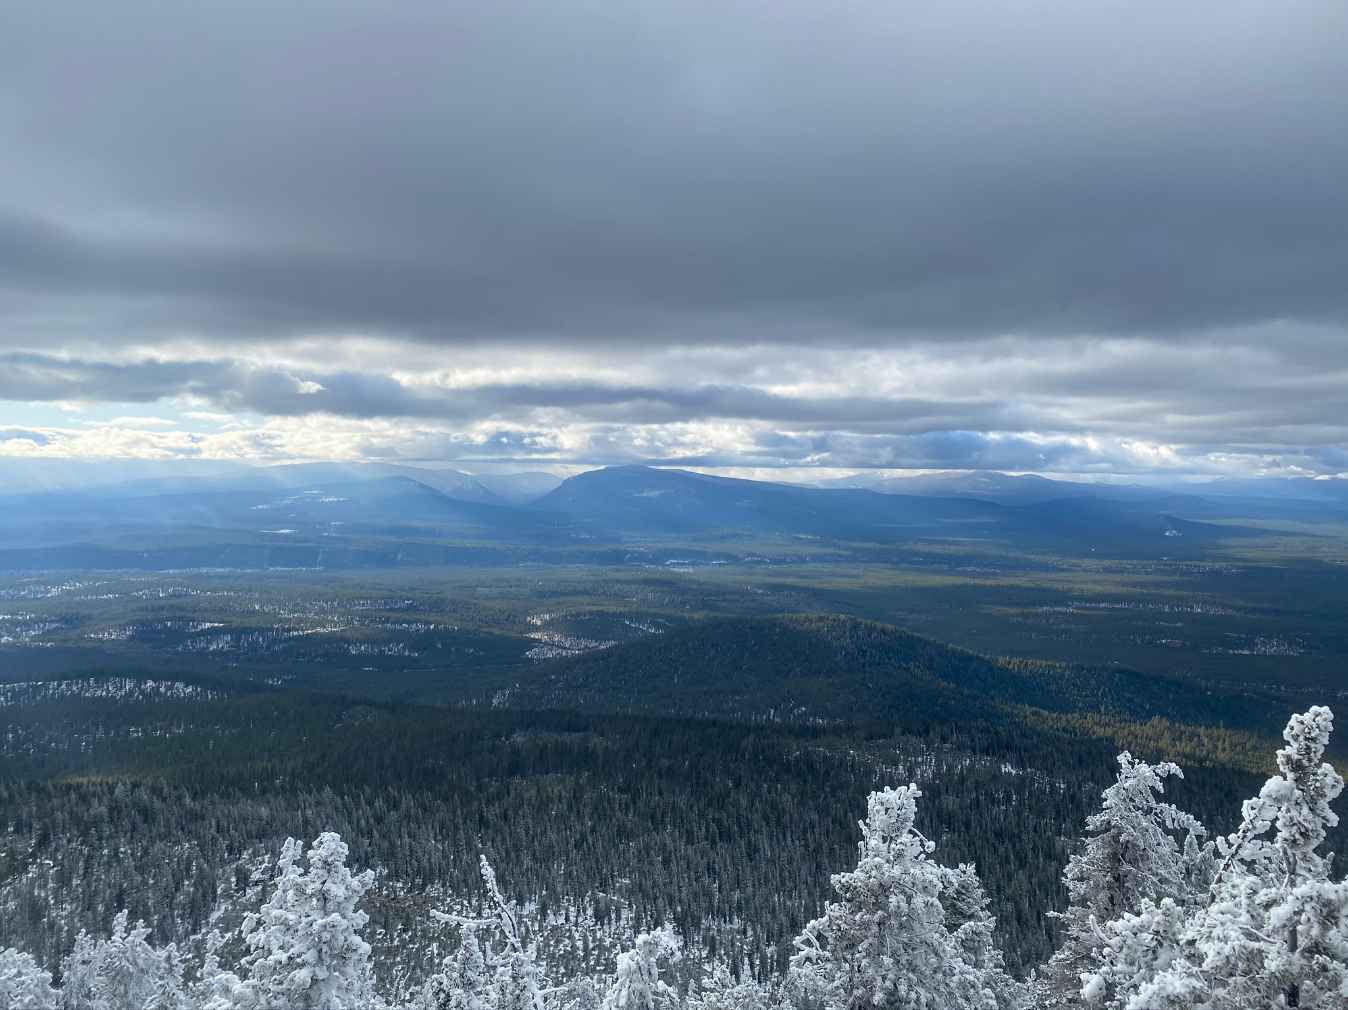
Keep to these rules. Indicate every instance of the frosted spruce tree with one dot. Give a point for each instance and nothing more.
(1273, 928)
(972, 925)
(720, 990)
(23, 984)
(517, 984)
(215, 988)
(463, 982)
(637, 984)
(886, 943)
(123, 971)
(305, 947)
(1132, 854)
(508, 978)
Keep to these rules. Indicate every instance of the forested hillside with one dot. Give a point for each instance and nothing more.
(162, 803)
(831, 669)
(702, 777)
(1160, 912)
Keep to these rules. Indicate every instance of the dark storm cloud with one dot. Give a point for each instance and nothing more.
(669, 171)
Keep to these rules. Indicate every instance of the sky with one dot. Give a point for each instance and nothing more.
(1071, 236)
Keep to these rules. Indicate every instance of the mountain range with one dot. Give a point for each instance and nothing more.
(364, 515)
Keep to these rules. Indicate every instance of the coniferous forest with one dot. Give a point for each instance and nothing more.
(673, 822)
(1160, 910)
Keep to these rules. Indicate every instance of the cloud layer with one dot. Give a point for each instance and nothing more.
(1034, 235)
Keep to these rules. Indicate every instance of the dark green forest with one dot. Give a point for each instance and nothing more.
(158, 796)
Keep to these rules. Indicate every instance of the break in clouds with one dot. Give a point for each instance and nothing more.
(1067, 237)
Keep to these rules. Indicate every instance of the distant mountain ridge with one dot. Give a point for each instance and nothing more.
(1005, 489)
(644, 500)
(334, 515)
(1289, 497)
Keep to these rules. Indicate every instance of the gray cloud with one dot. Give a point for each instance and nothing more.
(1294, 417)
(38, 377)
(1124, 219)
(671, 171)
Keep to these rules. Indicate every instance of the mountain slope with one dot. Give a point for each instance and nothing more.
(1264, 498)
(382, 522)
(451, 483)
(829, 668)
(394, 499)
(797, 669)
(646, 500)
(1002, 488)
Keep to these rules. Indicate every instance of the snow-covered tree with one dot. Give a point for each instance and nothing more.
(972, 925)
(1132, 855)
(305, 947)
(24, 985)
(517, 984)
(79, 974)
(216, 988)
(1273, 930)
(123, 972)
(1132, 952)
(168, 994)
(463, 982)
(580, 993)
(885, 943)
(637, 984)
(720, 990)
(510, 970)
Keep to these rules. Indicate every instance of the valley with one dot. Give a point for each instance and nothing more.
(716, 672)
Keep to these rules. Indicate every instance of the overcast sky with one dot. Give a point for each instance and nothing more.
(1072, 236)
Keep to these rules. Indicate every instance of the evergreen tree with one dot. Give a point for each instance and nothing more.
(720, 990)
(510, 978)
(517, 984)
(123, 971)
(1132, 855)
(1132, 952)
(969, 922)
(463, 982)
(1273, 931)
(215, 988)
(637, 984)
(23, 984)
(577, 994)
(305, 948)
(885, 943)
(79, 974)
